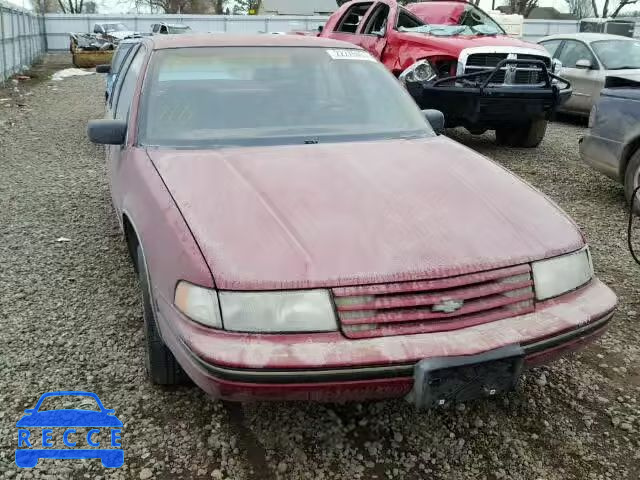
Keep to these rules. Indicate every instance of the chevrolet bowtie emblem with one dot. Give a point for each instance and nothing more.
(448, 306)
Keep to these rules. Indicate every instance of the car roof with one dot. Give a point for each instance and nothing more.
(229, 40)
(585, 37)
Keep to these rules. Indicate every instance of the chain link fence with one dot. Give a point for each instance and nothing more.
(22, 40)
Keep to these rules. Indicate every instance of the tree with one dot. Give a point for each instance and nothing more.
(241, 7)
(522, 7)
(580, 8)
(71, 6)
(611, 8)
(47, 6)
(90, 7)
(216, 7)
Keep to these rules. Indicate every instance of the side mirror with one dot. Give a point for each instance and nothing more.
(435, 119)
(320, 29)
(97, 28)
(104, 68)
(107, 132)
(584, 64)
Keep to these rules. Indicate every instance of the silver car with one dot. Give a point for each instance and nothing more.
(587, 59)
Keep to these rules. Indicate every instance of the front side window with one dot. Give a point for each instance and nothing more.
(352, 18)
(125, 97)
(551, 46)
(618, 54)
(574, 51)
(208, 97)
(120, 56)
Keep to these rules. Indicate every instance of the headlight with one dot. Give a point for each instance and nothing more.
(421, 71)
(198, 303)
(562, 274)
(556, 66)
(270, 312)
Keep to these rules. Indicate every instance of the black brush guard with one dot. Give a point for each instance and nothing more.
(482, 105)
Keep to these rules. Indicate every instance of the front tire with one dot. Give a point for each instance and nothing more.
(526, 136)
(162, 366)
(632, 181)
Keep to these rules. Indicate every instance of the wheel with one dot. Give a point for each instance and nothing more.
(162, 366)
(632, 180)
(527, 136)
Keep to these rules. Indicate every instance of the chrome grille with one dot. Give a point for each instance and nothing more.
(434, 305)
(522, 74)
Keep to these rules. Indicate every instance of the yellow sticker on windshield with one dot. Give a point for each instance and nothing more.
(349, 54)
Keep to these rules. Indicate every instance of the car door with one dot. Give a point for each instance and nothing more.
(119, 108)
(586, 83)
(348, 27)
(374, 28)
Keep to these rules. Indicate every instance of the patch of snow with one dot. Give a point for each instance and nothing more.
(70, 72)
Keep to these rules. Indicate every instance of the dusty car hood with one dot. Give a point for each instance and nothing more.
(344, 214)
(454, 45)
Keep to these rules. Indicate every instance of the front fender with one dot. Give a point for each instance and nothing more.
(169, 248)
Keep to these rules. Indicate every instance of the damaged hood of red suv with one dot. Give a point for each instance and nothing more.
(357, 213)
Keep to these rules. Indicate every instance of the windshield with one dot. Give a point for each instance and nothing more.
(209, 97)
(618, 54)
(446, 19)
(178, 29)
(115, 27)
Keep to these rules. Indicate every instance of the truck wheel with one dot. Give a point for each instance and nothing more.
(632, 180)
(527, 136)
(162, 366)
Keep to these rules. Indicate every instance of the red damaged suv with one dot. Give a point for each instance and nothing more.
(453, 57)
(298, 236)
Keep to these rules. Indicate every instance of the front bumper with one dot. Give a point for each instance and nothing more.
(472, 101)
(330, 367)
(603, 155)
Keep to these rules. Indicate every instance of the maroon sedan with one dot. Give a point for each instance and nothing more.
(301, 231)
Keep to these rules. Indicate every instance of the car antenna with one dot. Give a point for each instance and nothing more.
(630, 226)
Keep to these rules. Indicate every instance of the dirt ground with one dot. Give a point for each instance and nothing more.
(70, 318)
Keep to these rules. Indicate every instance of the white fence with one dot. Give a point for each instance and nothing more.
(59, 25)
(21, 40)
(23, 36)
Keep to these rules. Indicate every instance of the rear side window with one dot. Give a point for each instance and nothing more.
(352, 18)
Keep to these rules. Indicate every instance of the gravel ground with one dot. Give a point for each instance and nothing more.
(71, 319)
